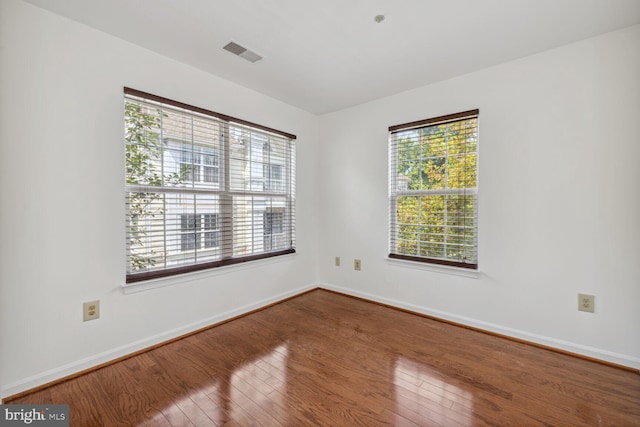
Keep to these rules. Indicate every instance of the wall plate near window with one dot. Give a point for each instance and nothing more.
(91, 310)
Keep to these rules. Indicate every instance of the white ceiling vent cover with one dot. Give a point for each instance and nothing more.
(242, 52)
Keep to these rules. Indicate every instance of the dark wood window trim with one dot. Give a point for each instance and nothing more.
(435, 120)
(133, 278)
(152, 97)
(434, 261)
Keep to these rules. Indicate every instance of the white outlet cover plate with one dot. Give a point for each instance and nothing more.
(586, 303)
(91, 310)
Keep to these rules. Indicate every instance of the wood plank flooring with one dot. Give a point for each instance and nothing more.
(324, 359)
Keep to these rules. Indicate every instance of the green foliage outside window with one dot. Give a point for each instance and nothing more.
(143, 155)
(440, 157)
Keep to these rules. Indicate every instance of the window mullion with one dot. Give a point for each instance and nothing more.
(445, 227)
(226, 199)
(463, 238)
(194, 179)
(248, 216)
(164, 196)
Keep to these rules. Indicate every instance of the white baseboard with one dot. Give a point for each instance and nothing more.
(596, 353)
(107, 356)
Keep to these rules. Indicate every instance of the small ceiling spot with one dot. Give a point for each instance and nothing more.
(379, 18)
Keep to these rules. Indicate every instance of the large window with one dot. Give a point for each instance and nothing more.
(433, 190)
(203, 189)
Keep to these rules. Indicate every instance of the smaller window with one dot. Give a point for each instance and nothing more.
(211, 230)
(198, 231)
(274, 181)
(199, 164)
(274, 237)
(433, 191)
(189, 229)
(210, 166)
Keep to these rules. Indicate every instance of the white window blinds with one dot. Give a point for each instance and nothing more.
(433, 190)
(203, 189)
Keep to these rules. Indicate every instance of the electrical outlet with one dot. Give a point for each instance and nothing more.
(91, 310)
(356, 264)
(337, 261)
(586, 302)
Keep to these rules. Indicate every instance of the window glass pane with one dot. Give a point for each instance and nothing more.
(143, 151)
(177, 125)
(434, 173)
(409, 175)
(434, 140)
(408, 210)
(189, 232)
(432, 241)
(239, 159)
(211, 226)
(273, 222)
(276, 173)
(145, 230)
(462, 171)
(408, 214)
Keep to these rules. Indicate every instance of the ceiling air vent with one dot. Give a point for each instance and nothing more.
(242, 52)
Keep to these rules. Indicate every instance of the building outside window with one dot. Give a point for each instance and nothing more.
(199, 164)
(273, 221)
(274, 181)
(199, 231)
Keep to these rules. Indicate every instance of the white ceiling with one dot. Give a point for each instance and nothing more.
(326, 55)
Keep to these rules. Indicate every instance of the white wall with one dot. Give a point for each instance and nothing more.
(559, 199)
(62, 216)
(558, 147)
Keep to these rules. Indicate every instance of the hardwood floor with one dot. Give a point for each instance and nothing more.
(326, 359)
